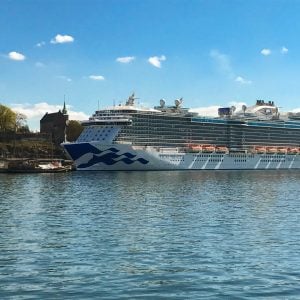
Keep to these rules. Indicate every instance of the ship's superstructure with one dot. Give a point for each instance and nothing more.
(127, 137)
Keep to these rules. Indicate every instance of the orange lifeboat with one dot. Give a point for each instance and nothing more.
(260, 149)
(282, 150)
(195, 148)
(208, 148)
(221, 149)
(293, 150)
(271, 150)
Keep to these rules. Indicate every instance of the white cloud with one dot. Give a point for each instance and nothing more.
(61, 39)
(16, 56)
(265, 52)
(242, 80)
(77, 115)
(209, 111)
(295, 110)
(284, 50)
(62, 77)
(212, 111)
(126, 59)
(40, 44)
(34, 112)
(156, 60)
(97, 77)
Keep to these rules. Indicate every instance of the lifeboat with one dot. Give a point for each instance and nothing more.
(195, 148)
(282, 150)
(208, 148)
(221, 149)
(271, 150)
(260, 149)
(293, 150)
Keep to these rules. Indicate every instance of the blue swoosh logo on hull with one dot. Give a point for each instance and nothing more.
(78, 150)
(108, 158)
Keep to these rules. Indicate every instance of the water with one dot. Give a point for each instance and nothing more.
(150, 235)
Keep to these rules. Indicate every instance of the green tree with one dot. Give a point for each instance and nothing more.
(7, 119)
(74, 129)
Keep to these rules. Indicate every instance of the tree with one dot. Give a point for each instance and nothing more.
(24, 129)
(7, 119)
(74, 129)
(21, 123)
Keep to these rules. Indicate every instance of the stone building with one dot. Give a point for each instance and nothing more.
(55, 125)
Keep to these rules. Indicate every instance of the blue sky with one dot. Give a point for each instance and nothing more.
(208, 52)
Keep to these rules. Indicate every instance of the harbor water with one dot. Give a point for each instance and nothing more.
(150, 235)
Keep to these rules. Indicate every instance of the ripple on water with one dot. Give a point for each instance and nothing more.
(145, 235)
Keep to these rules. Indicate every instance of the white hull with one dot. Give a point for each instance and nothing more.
(96, 156)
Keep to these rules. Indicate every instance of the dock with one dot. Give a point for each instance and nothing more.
(26, 165)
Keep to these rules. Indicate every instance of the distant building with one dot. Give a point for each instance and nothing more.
(55, 124)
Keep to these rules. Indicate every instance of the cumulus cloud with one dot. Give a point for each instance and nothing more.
(40, 44)
(125, 59)
(265, 52)
(242, 80)
(34, 112)
(77, 115)
(209, 111)
(61, 39)
(212, 111)
(156, 60)
(284, 50)
(96, 77)
(295, 110)
(16, 56)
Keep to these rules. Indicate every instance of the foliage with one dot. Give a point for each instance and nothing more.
(23, 129)
(7, 119)
(74, 129)
(21, 121)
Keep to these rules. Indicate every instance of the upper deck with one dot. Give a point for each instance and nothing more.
(174, 126)
(262, 114)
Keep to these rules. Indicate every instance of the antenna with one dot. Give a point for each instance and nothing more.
(162, 102)
(178, 102)
(98, 104)
(244, 107)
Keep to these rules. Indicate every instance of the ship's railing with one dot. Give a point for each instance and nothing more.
(124, 142)
(146, 148)
(165, 150)
(169, 150)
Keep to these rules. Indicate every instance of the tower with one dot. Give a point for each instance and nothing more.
(64, 111)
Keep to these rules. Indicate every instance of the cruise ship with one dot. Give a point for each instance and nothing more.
(130, 137)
